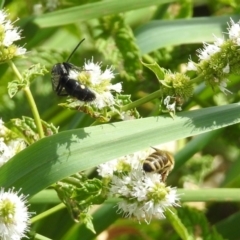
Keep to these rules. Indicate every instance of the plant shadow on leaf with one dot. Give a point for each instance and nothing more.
(58, 156)
(213, 118)
(41, 162)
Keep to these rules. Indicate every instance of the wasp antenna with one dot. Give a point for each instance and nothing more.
(75, 50)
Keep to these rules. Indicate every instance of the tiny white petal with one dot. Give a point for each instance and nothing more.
(3, 16)
(167, 100)
(218, 41)
(226, 69)
(73, 74)
(10, 37)
(21, 51)
(222, 86)
(107, 74)
(116, 87)
(191, 66)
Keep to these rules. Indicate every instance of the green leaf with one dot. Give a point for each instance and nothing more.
(92, 10)
(86, 218)
(229, 227)
(2, 3)
(162, 33)
(158, 71)
(192, 218)
(58, 156)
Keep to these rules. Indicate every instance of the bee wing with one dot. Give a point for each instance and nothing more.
(55, 82)
(78, 69)
(56, 73)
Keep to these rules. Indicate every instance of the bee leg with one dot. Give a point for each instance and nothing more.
(59, 93)
(59, 90)
(164, 176)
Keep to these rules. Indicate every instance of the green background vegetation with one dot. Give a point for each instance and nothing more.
(119, 33)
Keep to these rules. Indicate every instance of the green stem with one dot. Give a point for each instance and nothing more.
(148, 59)
(71, 180)
(47, 213)
(30, 99)
(209, 195)
(171, 215)
(197, 79)
(134, 104)
(96, 122)
(38, 236)
(141, 101)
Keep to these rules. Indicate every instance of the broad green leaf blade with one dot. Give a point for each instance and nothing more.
(162, 33)
(92, 10)
(192, 147)
(63, 154)
(229, 227)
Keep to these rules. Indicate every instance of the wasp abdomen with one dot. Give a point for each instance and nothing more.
(79, 91)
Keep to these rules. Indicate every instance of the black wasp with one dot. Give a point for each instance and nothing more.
(63, 85)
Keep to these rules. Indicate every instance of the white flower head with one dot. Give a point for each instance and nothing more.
(9, 34)
(143, 195)
(14, 216)
(99, 82)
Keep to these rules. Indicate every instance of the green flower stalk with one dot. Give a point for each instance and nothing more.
(8, 51)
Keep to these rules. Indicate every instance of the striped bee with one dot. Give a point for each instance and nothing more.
(160, 161)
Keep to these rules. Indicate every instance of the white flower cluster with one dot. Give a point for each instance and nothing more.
(14, 216)
(226, 50)
(99, 82)
(144, 196)
(8, 35)
(8, 148)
